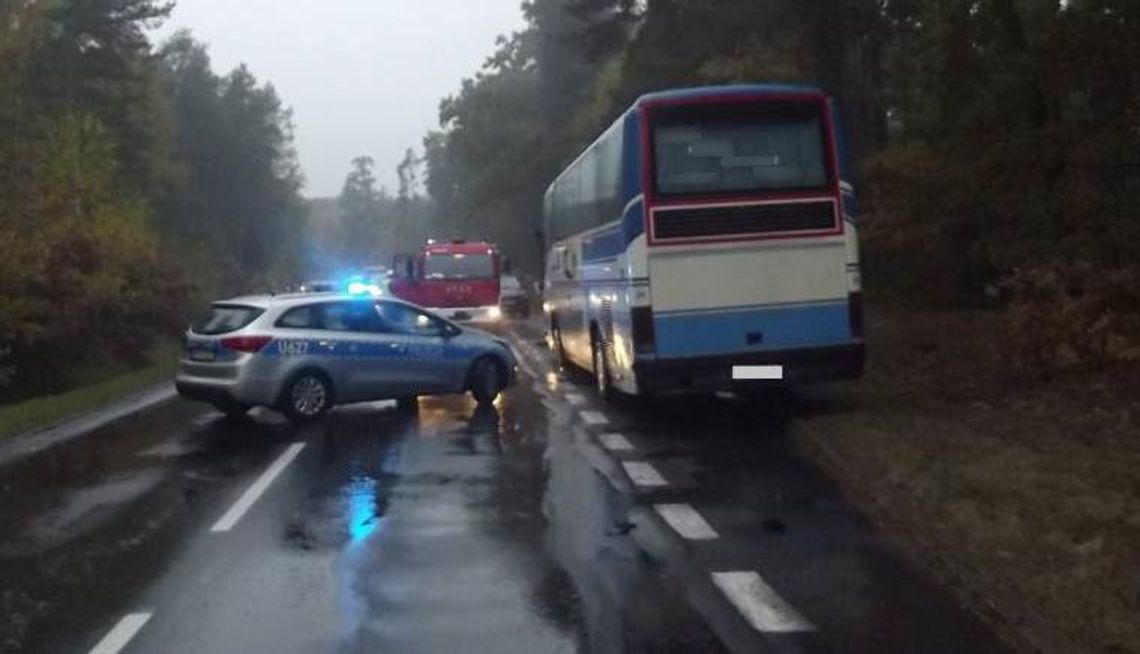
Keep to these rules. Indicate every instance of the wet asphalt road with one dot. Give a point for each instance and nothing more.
(527, 527)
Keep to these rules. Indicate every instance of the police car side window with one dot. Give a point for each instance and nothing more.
(308, 317)
(406, 320)
(353, 317)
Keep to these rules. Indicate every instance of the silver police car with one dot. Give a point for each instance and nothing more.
(303, 354)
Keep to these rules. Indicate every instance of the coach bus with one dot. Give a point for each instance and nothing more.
(707, 241)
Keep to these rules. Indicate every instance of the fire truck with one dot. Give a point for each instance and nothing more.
(458, 279)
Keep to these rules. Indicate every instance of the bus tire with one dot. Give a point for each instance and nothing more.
(407, 404)
(559, 350)
(603, 382)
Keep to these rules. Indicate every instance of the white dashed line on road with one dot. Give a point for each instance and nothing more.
(255, 491)
(616, 443)
(121, 634)
(594, 418)
(685, 520)
(643, 474)
(575, 399)
(763, 607)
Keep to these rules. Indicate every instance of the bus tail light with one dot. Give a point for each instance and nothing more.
(855, 313)
(644, 335)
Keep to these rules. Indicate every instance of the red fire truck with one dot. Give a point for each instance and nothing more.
(457, 279)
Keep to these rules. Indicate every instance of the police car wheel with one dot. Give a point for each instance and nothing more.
(308, 396)
(485, 384)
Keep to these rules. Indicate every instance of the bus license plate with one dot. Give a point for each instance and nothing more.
(461, 315)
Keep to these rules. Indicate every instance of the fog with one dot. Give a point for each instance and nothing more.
(362, 76)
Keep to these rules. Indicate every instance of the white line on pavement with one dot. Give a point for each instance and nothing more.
(764, 609)
(616, 442)
(575, 399)
(685, 520)
(121, 634)
(252, 493)
(594, 418)
(643, 474)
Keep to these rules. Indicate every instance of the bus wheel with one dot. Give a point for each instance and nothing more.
(602, 379)
(559, 351)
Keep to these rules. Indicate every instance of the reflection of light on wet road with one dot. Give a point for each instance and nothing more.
(362, 516)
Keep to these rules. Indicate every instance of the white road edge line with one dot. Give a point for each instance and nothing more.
(685, 520)
(594, 418)
(121, 634)
(575, 399)
(616, 442)
(764, 609)
(643, 474)
(258, 487)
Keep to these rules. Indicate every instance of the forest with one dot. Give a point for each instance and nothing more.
(137, 183)
(996, 140)
(996, 144)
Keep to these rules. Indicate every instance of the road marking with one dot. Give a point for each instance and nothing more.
(643, 474)
(616, 442)
(685, 520)
(252, 493)
(758, 373)
(594, 418)
(575, 399)
(764, 609)
(121, 634)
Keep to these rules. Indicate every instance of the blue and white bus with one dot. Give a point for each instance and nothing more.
(707, 241)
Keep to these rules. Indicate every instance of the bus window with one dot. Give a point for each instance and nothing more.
(738, 149)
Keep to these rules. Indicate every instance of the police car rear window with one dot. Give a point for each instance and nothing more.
(224, 319)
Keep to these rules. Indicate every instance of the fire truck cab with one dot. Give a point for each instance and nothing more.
(458, 280)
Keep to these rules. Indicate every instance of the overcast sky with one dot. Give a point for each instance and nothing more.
(362, 76)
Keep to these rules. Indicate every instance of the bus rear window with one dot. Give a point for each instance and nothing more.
(224, 319)
(738, 148)
(458, 266)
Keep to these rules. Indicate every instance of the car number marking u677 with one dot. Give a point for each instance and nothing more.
(293, 348)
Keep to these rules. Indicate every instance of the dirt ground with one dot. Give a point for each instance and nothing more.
(1021, 492)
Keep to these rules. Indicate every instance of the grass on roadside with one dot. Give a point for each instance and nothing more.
(42, 412)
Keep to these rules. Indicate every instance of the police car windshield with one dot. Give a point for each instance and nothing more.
(458, 266)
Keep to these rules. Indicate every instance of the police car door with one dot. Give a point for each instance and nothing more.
(360, 348)
(427, 361)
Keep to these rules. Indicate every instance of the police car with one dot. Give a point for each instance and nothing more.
(302, 354)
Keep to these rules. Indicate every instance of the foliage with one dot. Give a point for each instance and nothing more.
(1077, 315)
(133, 182)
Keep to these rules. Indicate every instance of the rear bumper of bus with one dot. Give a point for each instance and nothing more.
(715, 373)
